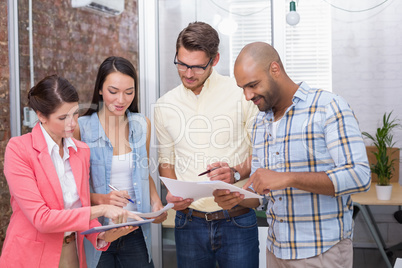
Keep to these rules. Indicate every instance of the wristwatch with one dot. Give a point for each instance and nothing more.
(236, 175)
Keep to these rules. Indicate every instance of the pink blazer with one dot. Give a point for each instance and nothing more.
(35, 233)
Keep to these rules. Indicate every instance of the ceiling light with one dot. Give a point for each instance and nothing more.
(292, 18)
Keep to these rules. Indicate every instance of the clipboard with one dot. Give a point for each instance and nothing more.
(113, 226)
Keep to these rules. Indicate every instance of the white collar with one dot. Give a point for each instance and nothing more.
(67, 142)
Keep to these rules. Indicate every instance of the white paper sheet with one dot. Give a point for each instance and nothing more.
(398, 263)
(154, 214)
(197, 190)
(112, 226)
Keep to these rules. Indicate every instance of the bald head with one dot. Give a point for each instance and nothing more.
(259, 71)
(262, 54)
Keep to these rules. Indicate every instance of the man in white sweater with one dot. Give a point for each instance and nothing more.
(206, 120)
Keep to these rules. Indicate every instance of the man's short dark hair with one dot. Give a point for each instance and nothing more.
(199, 36)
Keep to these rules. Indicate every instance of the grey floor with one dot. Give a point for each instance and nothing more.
(362, 258)
(371, 258)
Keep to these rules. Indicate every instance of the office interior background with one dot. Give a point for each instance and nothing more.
(352, 48)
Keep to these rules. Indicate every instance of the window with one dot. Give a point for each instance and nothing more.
(305, 49)
(308, 55)
(254, 24)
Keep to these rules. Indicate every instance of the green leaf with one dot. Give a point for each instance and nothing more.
(383, 140)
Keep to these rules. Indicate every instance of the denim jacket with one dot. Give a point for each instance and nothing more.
(93, 134)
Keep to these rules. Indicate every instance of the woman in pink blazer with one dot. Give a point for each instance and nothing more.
(47, 173)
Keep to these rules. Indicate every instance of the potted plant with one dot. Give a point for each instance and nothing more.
(384, 166)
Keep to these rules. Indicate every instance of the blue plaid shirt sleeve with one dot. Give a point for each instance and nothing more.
(351, 173)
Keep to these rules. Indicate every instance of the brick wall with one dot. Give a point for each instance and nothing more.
(68, 41)
(5, 209)
(73, 42)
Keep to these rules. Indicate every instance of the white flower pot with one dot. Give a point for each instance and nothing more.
(383, 192)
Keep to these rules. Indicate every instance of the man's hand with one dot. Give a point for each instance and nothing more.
(220, 172)
(227, 199)
(264, 180)
(179, 202)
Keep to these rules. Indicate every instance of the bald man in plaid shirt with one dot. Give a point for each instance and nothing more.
(308, 158)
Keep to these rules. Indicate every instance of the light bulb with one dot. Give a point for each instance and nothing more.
(228, 26)
(292, 18)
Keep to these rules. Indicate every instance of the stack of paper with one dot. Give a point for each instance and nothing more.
(197, 190)
(154, 214)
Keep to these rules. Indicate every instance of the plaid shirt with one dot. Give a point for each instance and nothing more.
(318, 132)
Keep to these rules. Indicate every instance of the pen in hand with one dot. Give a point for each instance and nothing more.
(209, 170)
(115, 189)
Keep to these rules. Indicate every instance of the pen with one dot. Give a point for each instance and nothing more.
(205, 172)
(115, 189)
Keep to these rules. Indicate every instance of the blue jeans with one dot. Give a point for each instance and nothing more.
(127, 251)
(231, 242)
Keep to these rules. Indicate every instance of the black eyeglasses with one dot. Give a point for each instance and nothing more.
(182, 67)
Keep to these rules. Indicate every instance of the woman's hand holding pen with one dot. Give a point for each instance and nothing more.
(117, 198)
(120, 194)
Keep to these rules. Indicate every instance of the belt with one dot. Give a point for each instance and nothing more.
(69, 238)
(217, 215)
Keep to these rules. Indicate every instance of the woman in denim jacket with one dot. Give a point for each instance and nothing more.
(119, 137)
(47, 174)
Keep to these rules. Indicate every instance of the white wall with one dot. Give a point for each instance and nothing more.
(175, 15)
(367, 61)
(367, 72)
